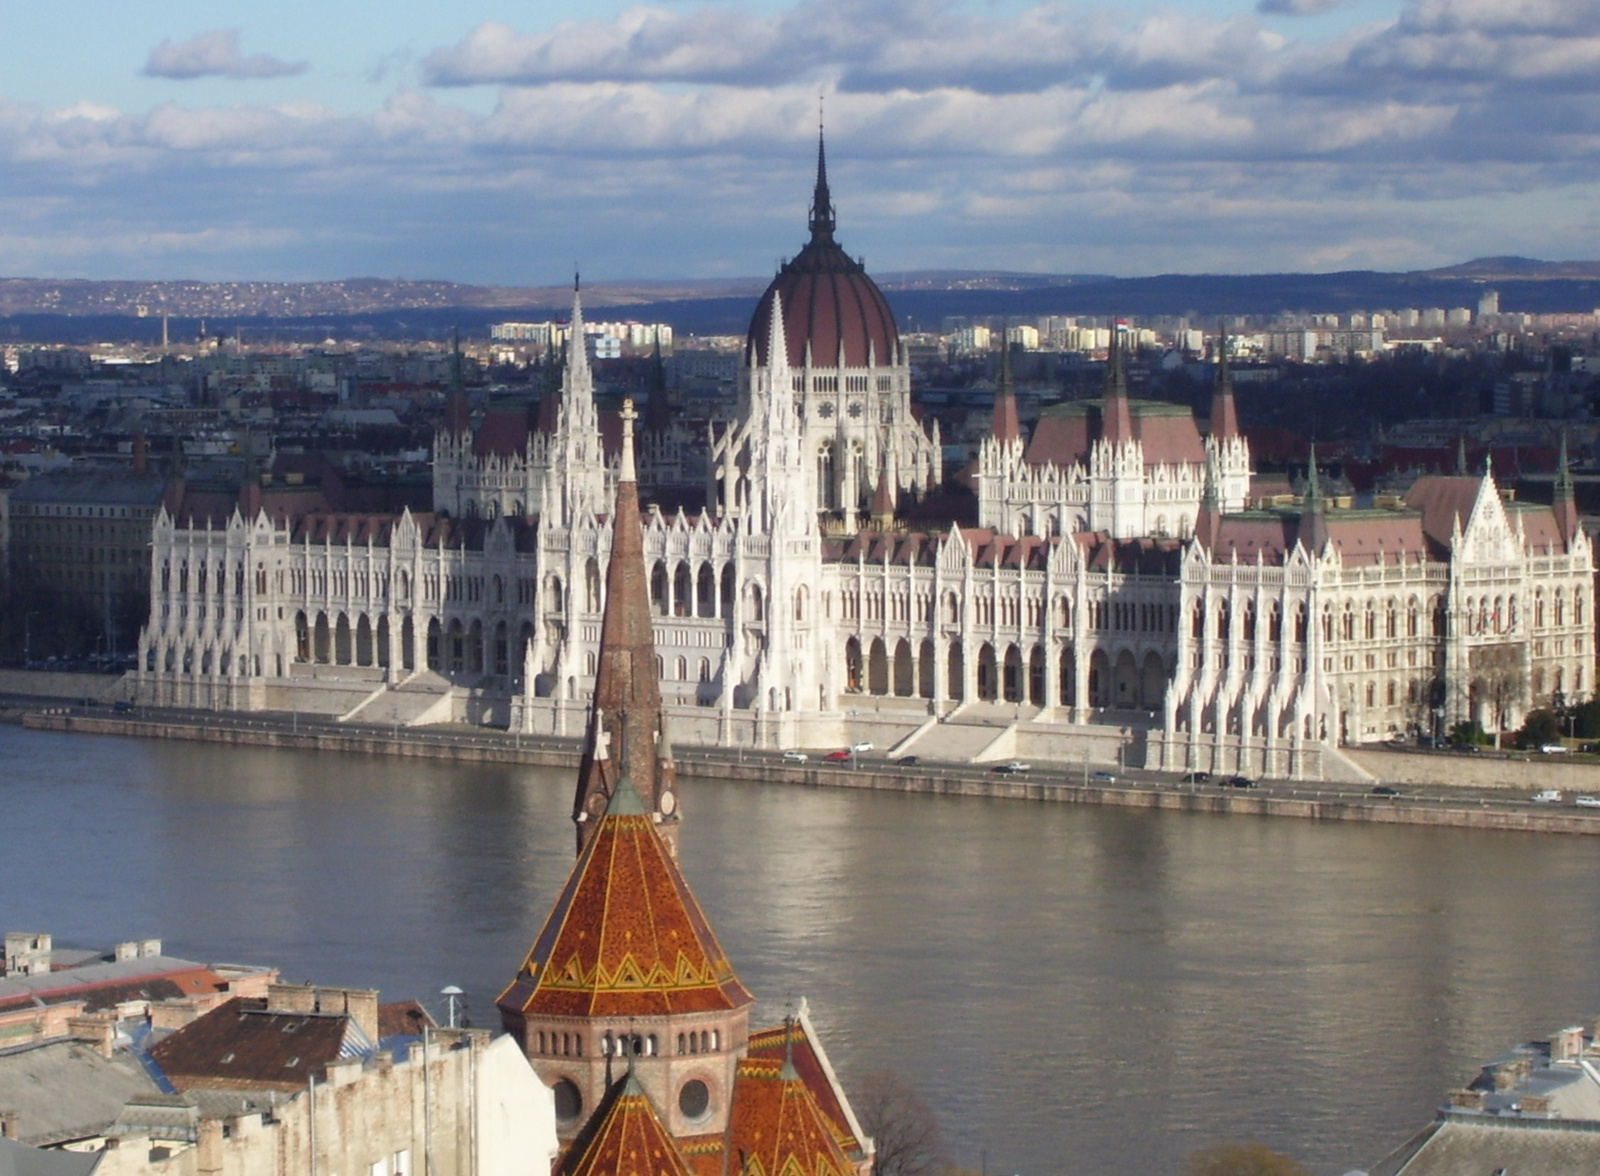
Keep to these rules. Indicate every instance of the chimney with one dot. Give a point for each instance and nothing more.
(1466, 1100)
(126, 951)
(291, 998)
(9, 1128)
(1566, 1044)
(97, 1029)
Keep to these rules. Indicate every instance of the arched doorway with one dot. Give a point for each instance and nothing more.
(903, 684)
(988, 679)
(877, 668)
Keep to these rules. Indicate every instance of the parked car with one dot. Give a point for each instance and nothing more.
(1105, 777)
(1013, 768)
(838, 757)
(122, 707)
(907, 761)
(1553, 749)
(1196, 778)
(1548, 796)
(796, 757)
(1385, 790)
(1586, 801)
(1241, 782)
(860, 747)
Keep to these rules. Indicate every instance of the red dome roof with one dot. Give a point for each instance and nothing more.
(827, 299)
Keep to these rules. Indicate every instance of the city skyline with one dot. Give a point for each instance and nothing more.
(493, 145)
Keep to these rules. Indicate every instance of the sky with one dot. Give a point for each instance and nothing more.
(504, 143)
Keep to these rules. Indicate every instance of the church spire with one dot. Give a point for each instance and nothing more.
(1313, 513)
(1007, 427)
(625, 726)
(1565, 504)
(1208, 523)
(577, 348)
(1224, 416)
(822, 223)
(1118, 419)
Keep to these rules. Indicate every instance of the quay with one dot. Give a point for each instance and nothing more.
(1057, 783)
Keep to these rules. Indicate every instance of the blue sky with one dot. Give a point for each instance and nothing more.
(499, 143)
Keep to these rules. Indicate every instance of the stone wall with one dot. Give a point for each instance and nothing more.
(51, 684)
(1519, 771)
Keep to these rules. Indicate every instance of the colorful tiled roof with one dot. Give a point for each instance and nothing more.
(627, 936)
(811, 1065)
(776, 1125)
(625, 1138)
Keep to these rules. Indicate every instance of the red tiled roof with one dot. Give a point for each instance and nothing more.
(776, 1125)
(626, 937)
(625, 1138)
(768, 1045)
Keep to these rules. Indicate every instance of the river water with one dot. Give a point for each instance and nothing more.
(1074, 990)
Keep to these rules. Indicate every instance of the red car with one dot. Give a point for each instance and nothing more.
(837, 757)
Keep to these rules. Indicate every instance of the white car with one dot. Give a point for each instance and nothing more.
(858, 748)
(1553, 749)
(1586, 801)
(1548, 796)
(795, 757)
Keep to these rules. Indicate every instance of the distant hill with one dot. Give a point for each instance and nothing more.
(54, 310)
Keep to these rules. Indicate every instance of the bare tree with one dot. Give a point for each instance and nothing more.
(904, 1128)
(1241, 1159)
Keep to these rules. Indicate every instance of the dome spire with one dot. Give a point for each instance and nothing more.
(822, 222)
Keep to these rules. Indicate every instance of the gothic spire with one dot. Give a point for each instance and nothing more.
(822, 222)
(1118, 426)
(625, 726)
(1208, 522)
(1313, 514)
(1565, 503)
(1224, 416)
(1007, 427)
(577, 349)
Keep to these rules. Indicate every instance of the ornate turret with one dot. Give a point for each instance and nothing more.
(627, 965)
(627, 719)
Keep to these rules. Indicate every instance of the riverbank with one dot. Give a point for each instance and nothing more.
(1055, 785)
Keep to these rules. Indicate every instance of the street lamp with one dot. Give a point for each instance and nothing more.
(450, 992)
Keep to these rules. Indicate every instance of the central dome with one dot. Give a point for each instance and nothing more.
(827, 300)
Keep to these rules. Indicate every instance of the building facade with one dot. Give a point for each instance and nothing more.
(1122, 578)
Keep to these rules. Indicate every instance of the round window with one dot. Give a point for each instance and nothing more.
(694, 1099)
(569, 1102)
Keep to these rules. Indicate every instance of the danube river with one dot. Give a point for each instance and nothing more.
(1075, 990)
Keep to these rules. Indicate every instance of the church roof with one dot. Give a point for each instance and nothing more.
(625, 1138)
(828, 300)
(1067, 432)
(626, 937)
(776, 1125)
(810, 1064)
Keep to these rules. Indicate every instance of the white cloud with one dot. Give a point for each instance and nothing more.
(678, 140)
(214, 54)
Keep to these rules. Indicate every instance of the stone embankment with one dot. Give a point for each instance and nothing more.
(1305, 801)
